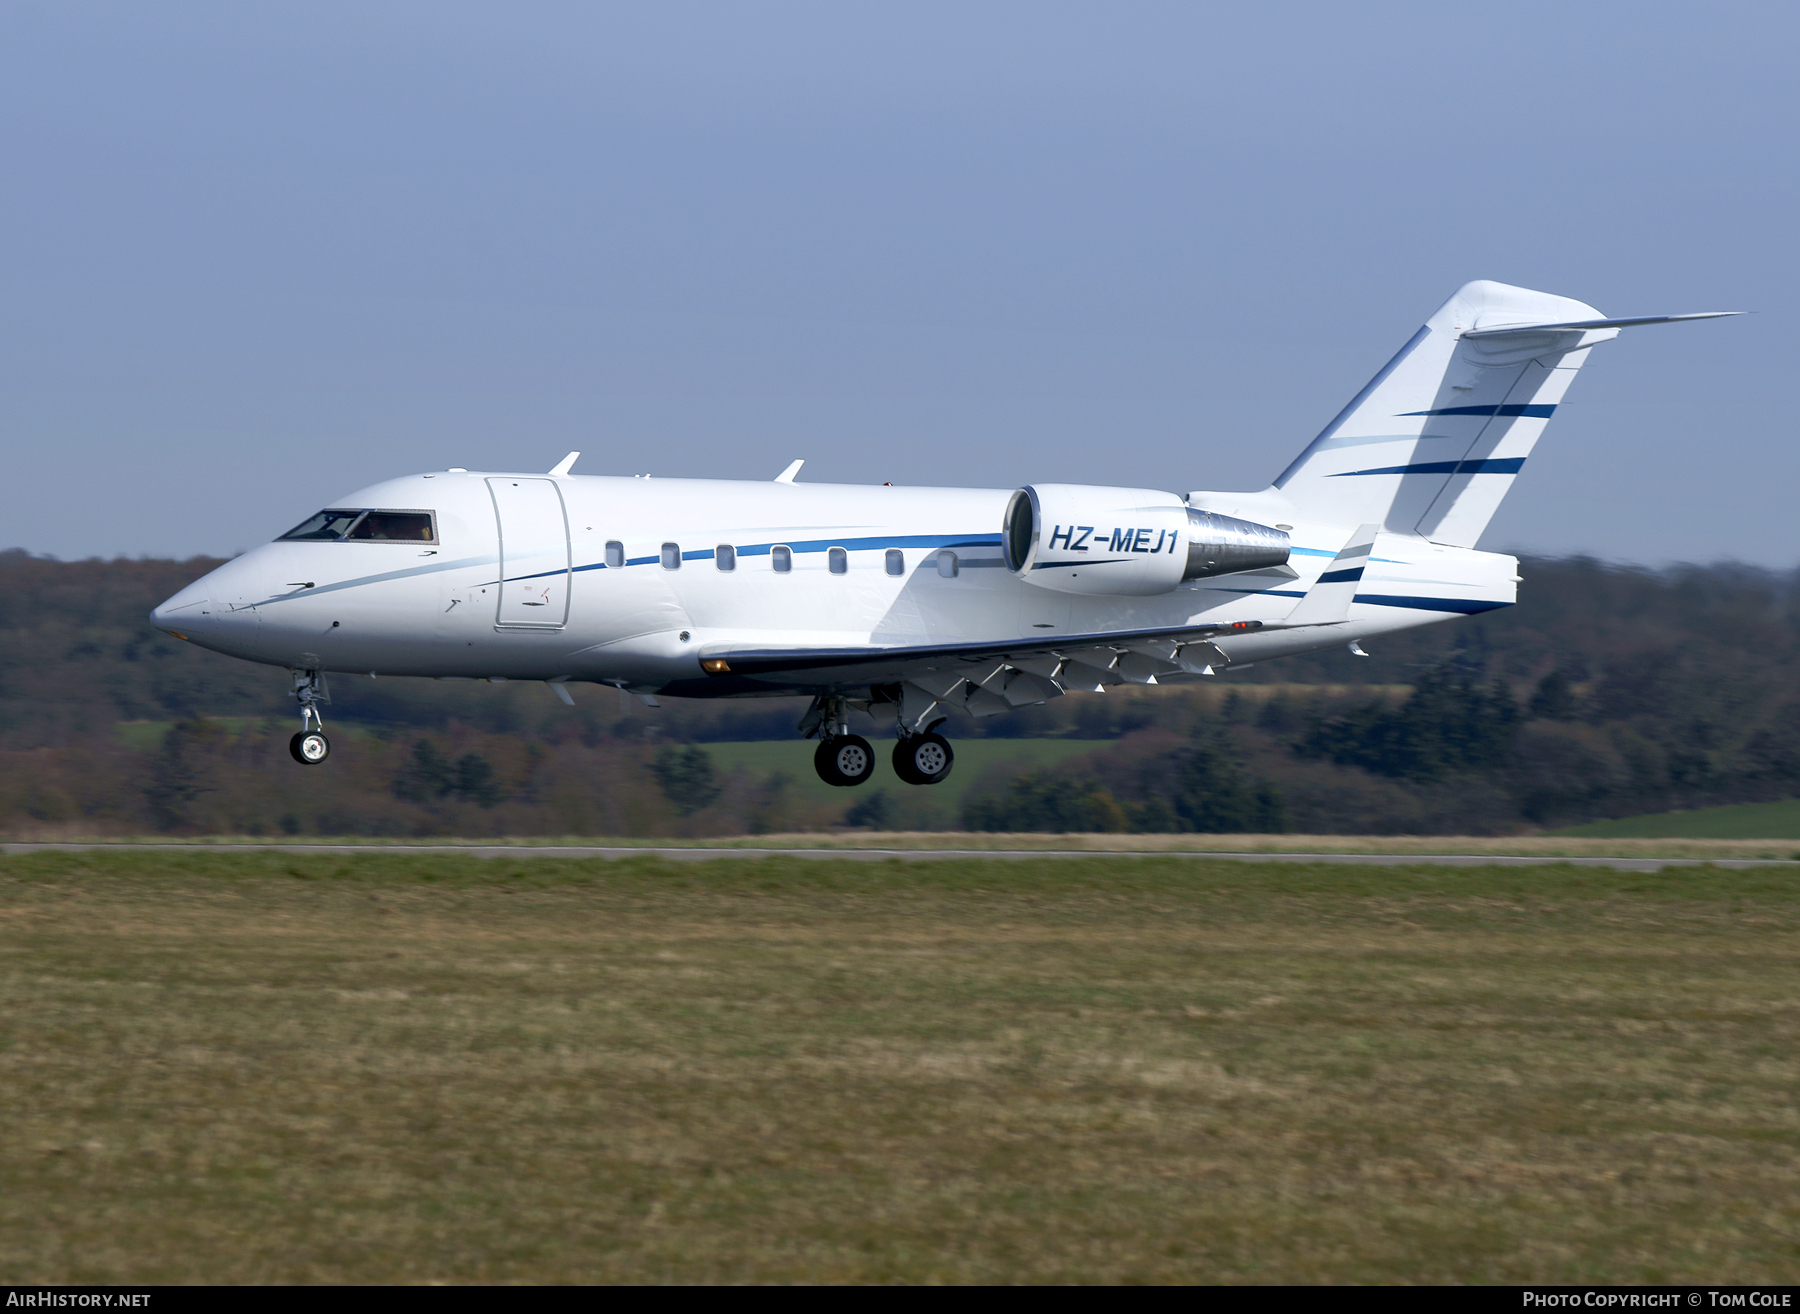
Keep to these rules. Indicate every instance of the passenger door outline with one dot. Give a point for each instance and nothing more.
(533, 525)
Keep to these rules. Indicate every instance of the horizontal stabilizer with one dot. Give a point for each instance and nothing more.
(1328, 601)
(1581, 325)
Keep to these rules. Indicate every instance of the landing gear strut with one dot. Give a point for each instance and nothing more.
(841, 757)
(310, 747)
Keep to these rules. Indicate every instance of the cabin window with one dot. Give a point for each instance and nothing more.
(838, 560)
(782, 559)
(326, 526)
(615, 555)
(671, 556)
(896, 561)
(395, 527)
(947, 563)
(725, 557)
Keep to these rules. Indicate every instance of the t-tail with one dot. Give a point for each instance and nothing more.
(1436, 439)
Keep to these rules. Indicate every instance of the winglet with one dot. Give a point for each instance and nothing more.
(563, 466)
(1328, 601)
(787, 475)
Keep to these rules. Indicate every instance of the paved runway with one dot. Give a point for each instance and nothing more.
(879, 855)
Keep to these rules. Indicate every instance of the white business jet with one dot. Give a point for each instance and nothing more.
(916, 602)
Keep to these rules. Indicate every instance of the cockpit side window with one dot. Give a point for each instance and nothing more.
(326, 526)
(396, 527)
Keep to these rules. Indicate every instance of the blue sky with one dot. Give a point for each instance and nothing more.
(255, 256)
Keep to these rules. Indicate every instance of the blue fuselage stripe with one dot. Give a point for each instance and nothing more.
(931, 541)
(1462, 606)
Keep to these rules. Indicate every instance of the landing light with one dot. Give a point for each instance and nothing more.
(715, 666)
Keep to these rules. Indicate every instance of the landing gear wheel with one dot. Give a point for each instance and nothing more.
(845, 760)
(923, 759)
(309, 747)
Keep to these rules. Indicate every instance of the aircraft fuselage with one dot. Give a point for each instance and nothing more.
(625, 581)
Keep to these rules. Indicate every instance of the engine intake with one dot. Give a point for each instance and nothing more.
(1076, 538)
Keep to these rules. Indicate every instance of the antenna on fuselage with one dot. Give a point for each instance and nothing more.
(787, 475)
(563, 466)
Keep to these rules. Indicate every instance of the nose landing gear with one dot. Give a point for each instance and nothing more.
(310, 747)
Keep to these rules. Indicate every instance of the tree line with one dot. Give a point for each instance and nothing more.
(1607, 691)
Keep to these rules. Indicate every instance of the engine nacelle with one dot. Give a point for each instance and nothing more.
(1127, 541)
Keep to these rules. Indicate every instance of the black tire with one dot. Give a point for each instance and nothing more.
(847, 760)
(309, 747)
(823, 765)
(923, 759)
(903, 762)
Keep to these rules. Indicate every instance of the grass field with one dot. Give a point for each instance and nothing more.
(143, 736)
(235, 1067)
(1779, 820)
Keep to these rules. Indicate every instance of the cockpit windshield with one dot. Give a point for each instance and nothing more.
(366, 526)
(403, 526)
(326, 525)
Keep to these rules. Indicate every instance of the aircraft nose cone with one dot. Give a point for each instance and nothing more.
(187, 608)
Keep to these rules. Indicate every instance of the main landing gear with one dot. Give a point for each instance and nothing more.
(923, 759)
(846, 759)
(310, 747)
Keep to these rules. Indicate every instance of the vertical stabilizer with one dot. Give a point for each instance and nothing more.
(1436, 439)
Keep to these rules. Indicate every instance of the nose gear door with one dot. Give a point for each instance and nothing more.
(534, 553)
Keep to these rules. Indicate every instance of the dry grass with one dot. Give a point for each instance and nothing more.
(263, 1067)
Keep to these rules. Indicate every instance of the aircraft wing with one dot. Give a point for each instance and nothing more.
(987, 678)
(983, 678)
